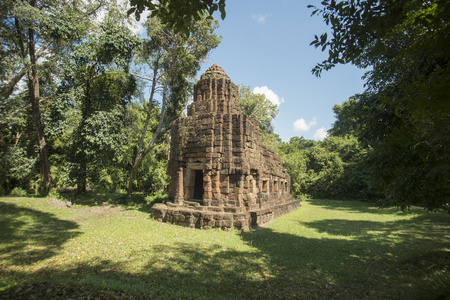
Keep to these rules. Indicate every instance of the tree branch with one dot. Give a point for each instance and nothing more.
(8, 88)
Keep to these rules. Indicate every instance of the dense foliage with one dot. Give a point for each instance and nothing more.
(404, 115)
(332, 168)
(95, 112)
(35, 35)
(173, 60)
(178, 14)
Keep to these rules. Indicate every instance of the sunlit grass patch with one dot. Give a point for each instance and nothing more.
(325, 249)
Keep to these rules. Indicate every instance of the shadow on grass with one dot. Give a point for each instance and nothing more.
(182, 271)
(414, 230)
(354, 206)
(278, 266)
(144, 202)
(411, 267)
(356, 262)
(97, 199)
(28, 236)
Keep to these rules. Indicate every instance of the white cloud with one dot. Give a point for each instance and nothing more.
(274, 98)
(260, 18)
(302, 125)
(320, 134)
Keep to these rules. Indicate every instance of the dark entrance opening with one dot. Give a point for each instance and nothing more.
(198, 187)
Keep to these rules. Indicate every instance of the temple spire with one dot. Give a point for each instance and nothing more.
(214, 92)
(215, 71)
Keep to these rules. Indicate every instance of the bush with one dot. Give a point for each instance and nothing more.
(18, 191)
(329, 169)
(157, 197)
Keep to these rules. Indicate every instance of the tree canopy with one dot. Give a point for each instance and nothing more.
(263, 111)
(258, 107)
(84, 74)
(34, 36)
(173, 60)
(178, 14)
(404, 114)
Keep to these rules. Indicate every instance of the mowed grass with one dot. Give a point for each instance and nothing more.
(326, 249)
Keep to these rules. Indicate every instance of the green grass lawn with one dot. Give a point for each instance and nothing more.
(326, 249)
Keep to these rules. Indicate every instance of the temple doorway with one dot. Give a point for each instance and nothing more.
(198, 187)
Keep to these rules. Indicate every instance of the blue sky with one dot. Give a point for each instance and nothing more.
(265, 45)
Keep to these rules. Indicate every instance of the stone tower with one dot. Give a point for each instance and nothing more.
(221, 174)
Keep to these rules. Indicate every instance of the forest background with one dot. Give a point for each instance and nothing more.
(76, 115)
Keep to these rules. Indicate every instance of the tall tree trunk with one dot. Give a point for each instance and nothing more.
(81, 182)
(140, 156)
(33, 93)
(82, 158)
(137, 164)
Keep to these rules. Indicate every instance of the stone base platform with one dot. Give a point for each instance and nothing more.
(192, 214)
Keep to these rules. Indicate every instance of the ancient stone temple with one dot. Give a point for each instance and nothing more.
(221, 175)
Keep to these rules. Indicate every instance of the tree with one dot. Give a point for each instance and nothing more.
(346, 118)
(405, 43)
(263, 111)
(97, 84)
(405, 112)
(173, 59)
(258, 107)
(18, 157)
(328, 169)
(178, 14)
(354, 181)
(409, 159)
(31, 31)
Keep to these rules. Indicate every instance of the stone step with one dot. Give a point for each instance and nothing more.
(192, 203)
